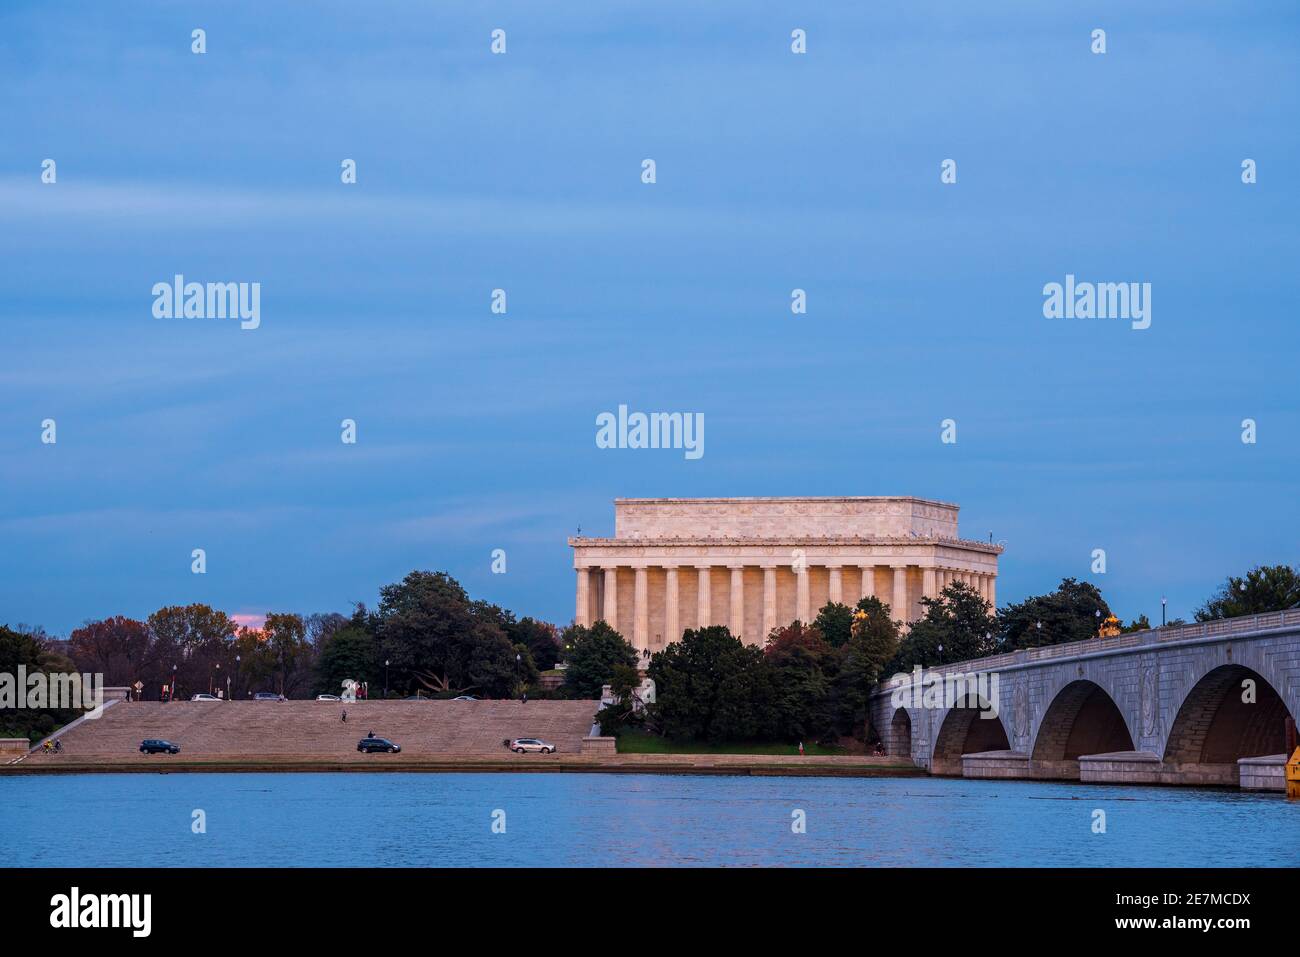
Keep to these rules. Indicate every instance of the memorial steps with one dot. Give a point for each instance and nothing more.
(313, 729)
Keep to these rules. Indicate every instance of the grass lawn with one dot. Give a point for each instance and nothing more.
(639, 742)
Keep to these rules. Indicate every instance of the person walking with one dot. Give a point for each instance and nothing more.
(801, 749)
(345, 715)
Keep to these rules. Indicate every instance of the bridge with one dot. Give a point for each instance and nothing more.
(1202, 704)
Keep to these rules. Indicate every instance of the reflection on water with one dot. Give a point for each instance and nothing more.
(620, 820)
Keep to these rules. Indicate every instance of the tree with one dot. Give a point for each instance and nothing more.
(1068, 614)
(121, 649)
(875, 635)
(192, 640)
(30, 649)
(711, 686)
(486, 662)
(255, 669)
(322, 625)
(623, 685)
(1263, 589)
(190, 628)
(541, 638)
(835, 623)
(872, 645)
(350, 652)
(955, 626)
(421, 621)
(289, 650)
(592, 656)
(803, 665)
(1139, 623)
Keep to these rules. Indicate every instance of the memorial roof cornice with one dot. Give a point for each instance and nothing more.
(785, 499)
(785, 540)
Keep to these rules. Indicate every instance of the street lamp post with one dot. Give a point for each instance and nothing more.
(1163, 604)
(236, 670)
(385, 677)
(173, 682)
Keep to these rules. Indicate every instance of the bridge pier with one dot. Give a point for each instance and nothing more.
(1017, 765)
(995, 764)
(1266, 773)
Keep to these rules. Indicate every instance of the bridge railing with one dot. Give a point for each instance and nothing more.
(1246, 624)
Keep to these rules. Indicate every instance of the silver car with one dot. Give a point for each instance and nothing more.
(522, 745)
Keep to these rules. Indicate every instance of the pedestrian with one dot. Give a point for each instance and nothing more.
(345, 715)
(801, 749)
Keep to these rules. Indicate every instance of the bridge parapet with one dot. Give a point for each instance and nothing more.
(1219, 628)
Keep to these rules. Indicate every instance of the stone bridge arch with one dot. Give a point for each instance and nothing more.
(898, 736)
(1275, 663)
(1081, 717)
(963, 730)
(1232, 712)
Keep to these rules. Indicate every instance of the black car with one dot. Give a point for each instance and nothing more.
(371, 745)
(158, 746)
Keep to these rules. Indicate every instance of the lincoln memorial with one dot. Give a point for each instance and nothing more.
(755, 563)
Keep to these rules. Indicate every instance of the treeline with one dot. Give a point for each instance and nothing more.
(807, 683)
(811, 682)
(426, 636)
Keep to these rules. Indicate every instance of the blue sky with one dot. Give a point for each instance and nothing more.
(522, 171)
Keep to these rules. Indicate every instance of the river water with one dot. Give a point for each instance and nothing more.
(393, 819)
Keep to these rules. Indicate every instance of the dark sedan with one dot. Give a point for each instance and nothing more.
(158, 746)
(382, 745)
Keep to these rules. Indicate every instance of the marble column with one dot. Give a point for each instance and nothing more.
(610, 611)
(928, 581)
(583, 612)
(769, 600)
(704, 612)
(803, 599)
(737, 600)
(836, 592)
(868, 581)
(899, 609)
(993, 591)
(641, 609)
(672, 622)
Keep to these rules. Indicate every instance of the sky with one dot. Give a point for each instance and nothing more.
(523, 172)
